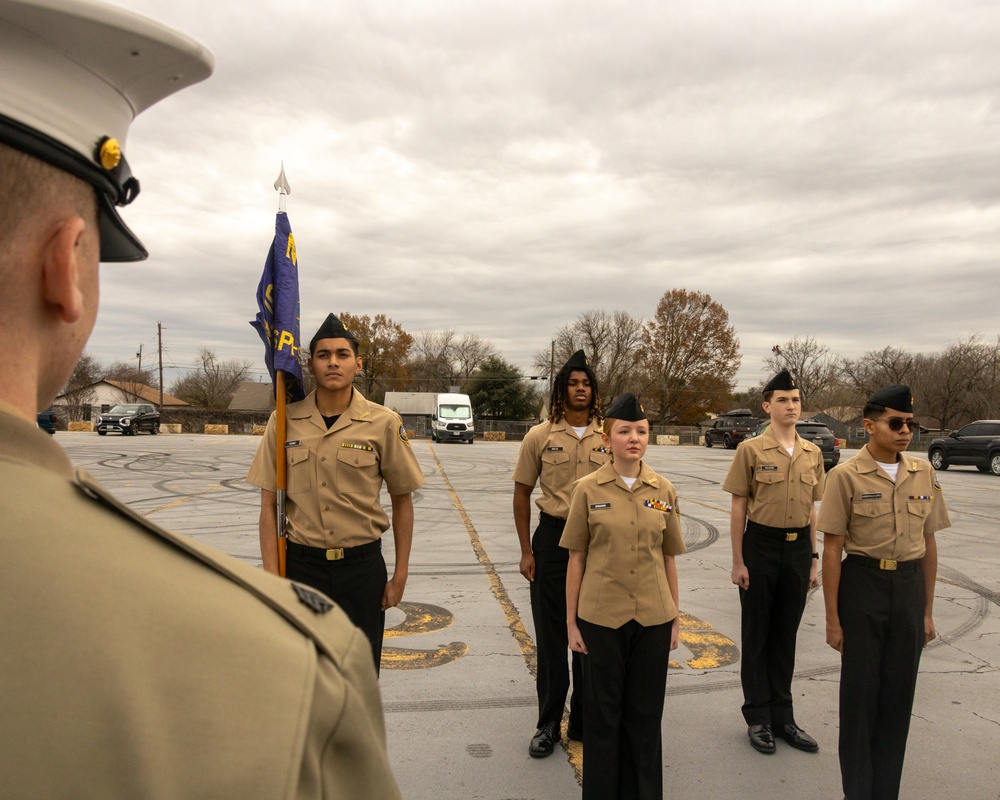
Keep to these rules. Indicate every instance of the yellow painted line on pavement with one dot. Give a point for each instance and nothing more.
(574, 750)
(183, 500)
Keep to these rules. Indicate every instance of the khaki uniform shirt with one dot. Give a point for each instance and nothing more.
(335, 476)
(780, 488)
(135, 662)
(552, 453)
(625, 533)
(879, 518)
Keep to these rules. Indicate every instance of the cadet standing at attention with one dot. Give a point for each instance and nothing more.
(775, 480)
(622, 533)
(339, 449)
(134, 662)
(556, 453)
(883, 508)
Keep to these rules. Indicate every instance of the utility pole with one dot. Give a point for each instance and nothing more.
(159, 340)
(552, 362)
(139, 356)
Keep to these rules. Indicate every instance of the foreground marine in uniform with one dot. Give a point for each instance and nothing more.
(882, 508)
(133, 662)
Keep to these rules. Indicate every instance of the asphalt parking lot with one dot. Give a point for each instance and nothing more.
(457, 679)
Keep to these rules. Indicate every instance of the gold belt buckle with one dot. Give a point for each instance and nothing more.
(887, 563)
(791, 536)
(335, 554)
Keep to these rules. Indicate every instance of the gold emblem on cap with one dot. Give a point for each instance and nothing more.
(110, 154)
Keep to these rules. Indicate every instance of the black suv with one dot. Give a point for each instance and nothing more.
(976, 445)
(820, 435)
(731, 429)
(129, 419)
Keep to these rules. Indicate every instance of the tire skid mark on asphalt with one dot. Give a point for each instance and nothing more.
(514, 623)
(183, 500)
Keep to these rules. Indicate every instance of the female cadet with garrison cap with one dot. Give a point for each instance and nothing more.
(623, 531)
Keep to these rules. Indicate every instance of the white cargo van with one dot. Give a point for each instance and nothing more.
(452, 419)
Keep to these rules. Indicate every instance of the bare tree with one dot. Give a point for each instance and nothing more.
(812, 364)
(878, 368)
(213, 383)
(691, 357)
(952, 386)
(613, 343)
(442, 359)
(79, 392)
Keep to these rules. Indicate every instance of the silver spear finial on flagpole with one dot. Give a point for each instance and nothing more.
(282, 188)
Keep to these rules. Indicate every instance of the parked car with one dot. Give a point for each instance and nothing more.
(731, 429)
(47, 421)
(976, 445)
(129, 419)
(819, 434)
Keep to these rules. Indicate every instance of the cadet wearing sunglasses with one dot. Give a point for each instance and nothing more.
(883, 508)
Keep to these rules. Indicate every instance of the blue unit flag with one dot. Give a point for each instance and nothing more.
(277, 321)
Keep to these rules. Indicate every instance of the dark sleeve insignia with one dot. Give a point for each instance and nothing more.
(310, 597)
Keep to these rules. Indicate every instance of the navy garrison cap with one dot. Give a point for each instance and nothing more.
(332, 328)
(75, 74)
(576, 361)
(626, 408)
(896, 397)
(782, 382)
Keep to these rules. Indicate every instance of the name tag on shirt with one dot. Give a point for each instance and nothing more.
(872, 496)
(659, 505)
(293, 443)
(553, 449)
(768, 467)
(594, 506)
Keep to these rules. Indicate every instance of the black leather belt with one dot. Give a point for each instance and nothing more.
(333, 553)
(543, 517)
(781, 534)
(883, 563)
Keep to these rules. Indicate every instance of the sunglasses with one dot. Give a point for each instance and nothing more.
(896, 423)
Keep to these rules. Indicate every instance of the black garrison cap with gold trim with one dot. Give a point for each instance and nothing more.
(332, 328)
(897, 397)
(782, 382)
(626, 408)
(75, 73)
(576, 361)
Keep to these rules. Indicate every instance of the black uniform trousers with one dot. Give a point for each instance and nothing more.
(548, 610)
(882, 616)
(625, 678)
(771, 611)
(356, 583)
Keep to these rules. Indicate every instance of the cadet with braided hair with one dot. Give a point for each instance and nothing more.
(556, 453)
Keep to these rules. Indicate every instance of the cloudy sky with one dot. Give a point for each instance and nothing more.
(826, 169)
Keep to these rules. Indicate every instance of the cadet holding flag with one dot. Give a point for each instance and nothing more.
(340, 449)
(134, 662)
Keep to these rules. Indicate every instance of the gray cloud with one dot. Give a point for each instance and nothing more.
(829, 169)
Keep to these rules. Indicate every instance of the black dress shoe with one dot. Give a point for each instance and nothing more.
(544, 740)
(798, 738)
(761, 738)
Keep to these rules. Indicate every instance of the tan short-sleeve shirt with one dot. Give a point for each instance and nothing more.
(780, 488)
(555, 456)
(335, 476)
(625, 533)
(877, 517)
